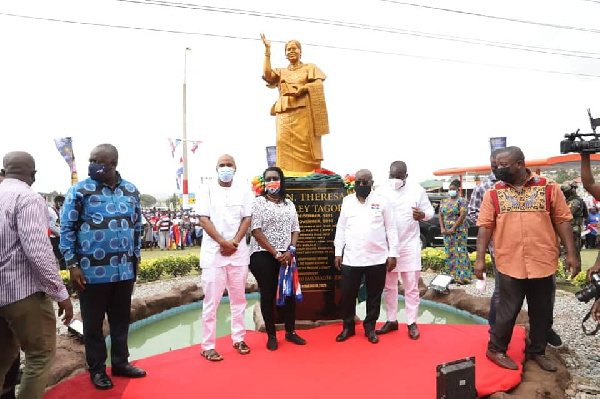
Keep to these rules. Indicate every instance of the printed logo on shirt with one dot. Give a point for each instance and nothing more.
(375, 206)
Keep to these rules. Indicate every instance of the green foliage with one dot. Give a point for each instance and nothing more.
(580, 280)
(489, 268)
(65, 275)
(150, 270)
(433, 258)
(560, 272)
(564, 175)
(177, 266)
(147, 200)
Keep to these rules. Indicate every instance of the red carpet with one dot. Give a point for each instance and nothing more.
(323, 368)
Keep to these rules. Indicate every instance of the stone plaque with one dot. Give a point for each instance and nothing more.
(318, 204)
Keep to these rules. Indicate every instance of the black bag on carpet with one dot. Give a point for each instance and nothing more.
(456, 380)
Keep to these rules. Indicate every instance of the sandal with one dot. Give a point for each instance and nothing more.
(211, 355)
(242, 348)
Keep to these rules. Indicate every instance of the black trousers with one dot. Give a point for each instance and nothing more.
(10, 380)
(512, 291)
(114, 300)
(266, 270)
(55, 241)
(375, 281)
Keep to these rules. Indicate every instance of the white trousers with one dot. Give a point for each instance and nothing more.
(214, 281)
(410, 281)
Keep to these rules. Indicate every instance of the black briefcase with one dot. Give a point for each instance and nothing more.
(456, 380)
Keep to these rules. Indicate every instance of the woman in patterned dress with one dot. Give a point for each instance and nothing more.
(453, 212)
(275, 231)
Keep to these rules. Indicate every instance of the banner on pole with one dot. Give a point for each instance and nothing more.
(271, 155)
(64, 145)
(497, 142)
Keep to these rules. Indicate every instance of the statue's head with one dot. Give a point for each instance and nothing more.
(293, 51)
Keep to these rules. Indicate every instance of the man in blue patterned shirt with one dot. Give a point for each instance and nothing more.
(100, 230)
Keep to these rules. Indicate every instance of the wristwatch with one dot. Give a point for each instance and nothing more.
(73, 266)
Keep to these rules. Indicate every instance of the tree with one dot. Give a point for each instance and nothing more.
(174, 199)
(147, 200)
(564, 175)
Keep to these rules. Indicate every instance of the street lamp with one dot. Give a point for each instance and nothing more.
(185, 164)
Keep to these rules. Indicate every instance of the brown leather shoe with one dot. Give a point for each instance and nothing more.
(544, 362)
(387, 327)
(501, 359)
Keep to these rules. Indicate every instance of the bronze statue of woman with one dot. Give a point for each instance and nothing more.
(300, 110)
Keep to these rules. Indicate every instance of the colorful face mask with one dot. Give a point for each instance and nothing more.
(273, 187)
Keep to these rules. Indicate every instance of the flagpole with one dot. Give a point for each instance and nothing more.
(185, 164)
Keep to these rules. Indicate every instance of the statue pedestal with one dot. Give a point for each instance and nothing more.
(318, 203)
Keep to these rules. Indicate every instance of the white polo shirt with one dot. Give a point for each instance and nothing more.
(226, 207)
(366, 233)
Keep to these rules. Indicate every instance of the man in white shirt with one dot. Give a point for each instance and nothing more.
(365, 244)
(225, 210)
(411, 204)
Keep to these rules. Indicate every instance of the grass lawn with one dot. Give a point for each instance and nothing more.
(588, 258)
(157, 253)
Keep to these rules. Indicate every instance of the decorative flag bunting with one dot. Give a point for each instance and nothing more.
(195, 145)
(179, 173)
(174, 145)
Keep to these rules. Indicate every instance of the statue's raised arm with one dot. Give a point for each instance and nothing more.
(300, 110)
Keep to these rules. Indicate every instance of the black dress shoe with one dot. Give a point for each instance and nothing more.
(272, 342)
(387, 327)
(372, 337)
(344, 335)
(294, 338)
(413, 331)
(101, 380)
(129, 371)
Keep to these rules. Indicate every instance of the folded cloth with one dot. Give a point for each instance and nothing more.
(288, 284)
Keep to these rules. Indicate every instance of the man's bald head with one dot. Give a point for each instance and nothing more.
(398, 170)
(108, 151)
(226, 160)
(363, 174)
(19, 165)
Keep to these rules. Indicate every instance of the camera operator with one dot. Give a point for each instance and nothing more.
(590, 185)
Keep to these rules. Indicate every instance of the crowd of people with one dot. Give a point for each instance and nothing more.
(166, 230)
(103, 229)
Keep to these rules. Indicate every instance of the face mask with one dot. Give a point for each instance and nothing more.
(273, 187)
(503, 174)
(397, 184)
(226, 174)
(363, 191)
(97, 172)
(452, 193)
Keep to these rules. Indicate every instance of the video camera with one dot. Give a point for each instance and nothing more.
(591, 291)
(574, 142)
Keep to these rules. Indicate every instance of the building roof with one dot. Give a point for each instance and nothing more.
(568, 161)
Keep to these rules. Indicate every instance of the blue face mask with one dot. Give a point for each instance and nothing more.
(97, 172)
(452, 193)
(226, 174)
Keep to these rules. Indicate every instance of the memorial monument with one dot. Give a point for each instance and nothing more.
(300, 110)
(301, 120)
